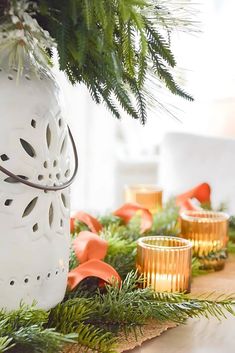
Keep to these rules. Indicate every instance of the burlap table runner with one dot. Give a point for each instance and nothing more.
(221, 282)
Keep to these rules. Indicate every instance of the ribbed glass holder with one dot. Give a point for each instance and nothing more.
(165, 263)
(148, 196)
(208, 231)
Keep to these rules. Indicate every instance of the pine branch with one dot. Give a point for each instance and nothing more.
(66, 317)
(128, 40)
(110, 46)
(121, 252)
(128, 307)
(166, 220)
(100, 43)
(106, 95)
(140, 99)
(197, 269)
(72, 316)
(124, 99)
(5, 344)
(167, 77)
(184, 306)
(143, 64)
(231, 247)
(159, 45)
(24, 328)
(94, 320)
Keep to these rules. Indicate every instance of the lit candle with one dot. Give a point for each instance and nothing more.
(208, 231)
(165, 263)
(148, 196)
(165, 283)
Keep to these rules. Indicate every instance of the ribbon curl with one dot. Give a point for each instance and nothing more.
(93, 224)
(201, 192)
(90, 250)
(128, 210)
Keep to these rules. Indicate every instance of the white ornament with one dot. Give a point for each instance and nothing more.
(34, 225)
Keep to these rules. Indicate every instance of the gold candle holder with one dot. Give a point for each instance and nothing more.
(208, 231)
(165, 263)
(148, 196)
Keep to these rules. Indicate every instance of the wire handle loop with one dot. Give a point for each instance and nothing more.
(44, 187)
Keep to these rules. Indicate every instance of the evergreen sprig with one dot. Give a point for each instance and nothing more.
(72, 316)
(25, 329)
(121, 251)
(93, 320)
(110, 46)
(231, 243)
(127, 307)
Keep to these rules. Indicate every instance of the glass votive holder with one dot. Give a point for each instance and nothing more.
(148, 196)
(208, 232)
(165, 263)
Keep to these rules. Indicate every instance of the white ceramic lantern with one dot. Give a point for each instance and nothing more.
(34, 223)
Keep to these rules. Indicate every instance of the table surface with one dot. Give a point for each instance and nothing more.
(201, 335)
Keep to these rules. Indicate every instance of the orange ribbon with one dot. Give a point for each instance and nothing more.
(128, 210)
(92, 223)
(90, 250)
(201, 192)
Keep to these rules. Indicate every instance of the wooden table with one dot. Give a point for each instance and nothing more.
(201, 335)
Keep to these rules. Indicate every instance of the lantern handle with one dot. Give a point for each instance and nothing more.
(18, 178)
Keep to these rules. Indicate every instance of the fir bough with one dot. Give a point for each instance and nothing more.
(72, 316)
(127, 308)
(93, 320)
(110, 46)
(25, 329)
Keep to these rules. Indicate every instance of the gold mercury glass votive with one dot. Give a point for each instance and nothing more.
(165, 263)
(148, 196)
(208, 231)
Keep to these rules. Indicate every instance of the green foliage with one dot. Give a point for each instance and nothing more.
(80, 226)
(110, 46)
(121, 251)
(25, 328)
(72, 315)
(92, 320)
(73, 261)
(78, 310)
(127, 307)
(5, 344)
(108, 220)
(231, 243)
(22, 38)
(166, 221)
(232, 228)
(182, 306)
(231, 247)
(197, 268)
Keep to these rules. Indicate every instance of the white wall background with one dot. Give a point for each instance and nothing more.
(113, 153)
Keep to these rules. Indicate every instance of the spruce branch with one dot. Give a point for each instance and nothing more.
(109, 46)
(128, 307)
(26, 328)
(72, 316)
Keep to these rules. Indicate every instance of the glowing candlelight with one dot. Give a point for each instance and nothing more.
(165, 263)
(148, 196)
(208, 231)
